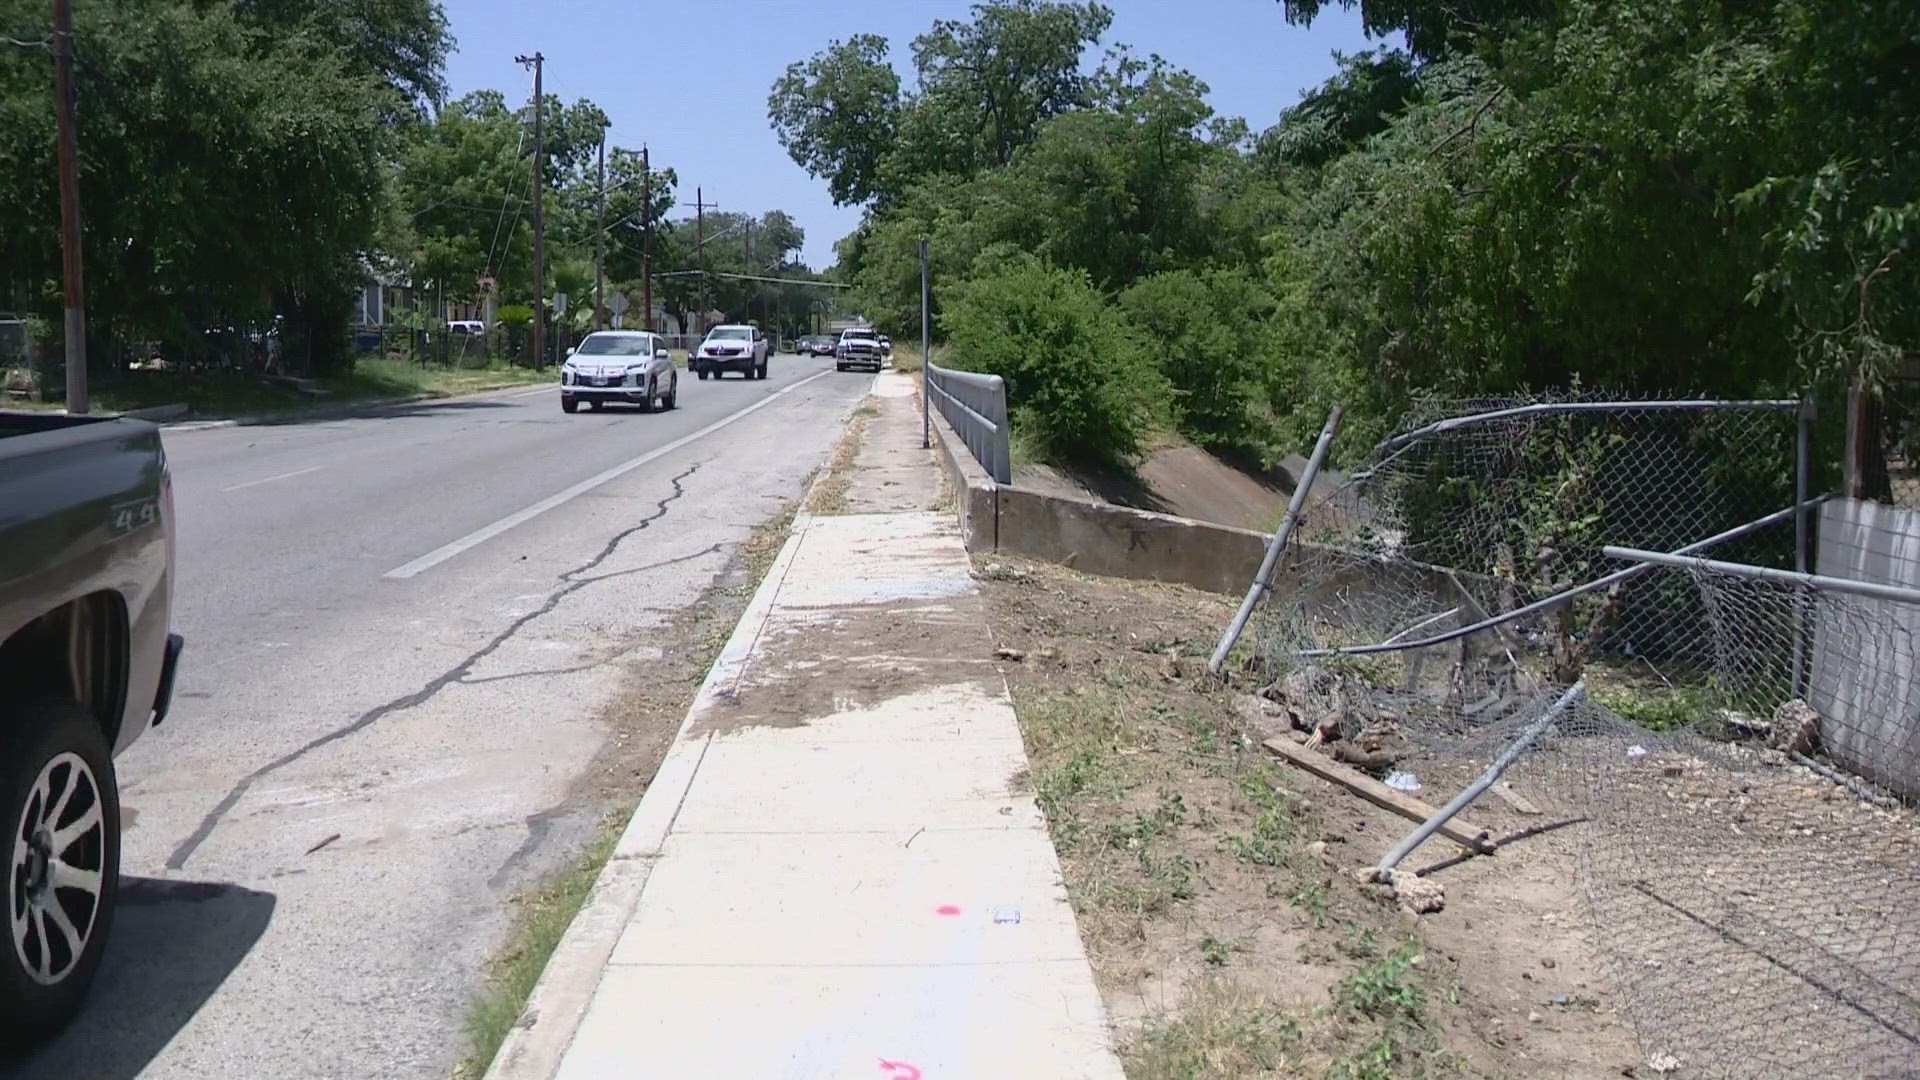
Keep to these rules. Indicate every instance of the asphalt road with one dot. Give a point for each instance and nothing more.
(402, 628)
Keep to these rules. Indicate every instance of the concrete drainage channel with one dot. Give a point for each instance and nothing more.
(1113, 541)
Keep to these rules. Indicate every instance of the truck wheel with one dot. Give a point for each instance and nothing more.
(59, 862)
(672, 400)
(568, 405)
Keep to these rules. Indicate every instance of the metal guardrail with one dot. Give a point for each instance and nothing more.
(976, 406)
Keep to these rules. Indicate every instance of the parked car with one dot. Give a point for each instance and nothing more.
(731, 348)
(87, 662)
(466, 328)
(858, 347)
(629, 367)
(818, 345)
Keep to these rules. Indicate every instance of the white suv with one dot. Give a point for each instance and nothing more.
(731, 348)
(859, 347)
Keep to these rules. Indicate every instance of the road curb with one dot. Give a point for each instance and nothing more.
(540, 1038)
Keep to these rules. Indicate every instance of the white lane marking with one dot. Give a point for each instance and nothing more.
(473, 539)
(271, 479)
(531, 393)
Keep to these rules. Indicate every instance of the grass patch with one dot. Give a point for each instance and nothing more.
(545, 914)
(1221, 1032)
(1387, 998)
(373, 378)
(1657, 708)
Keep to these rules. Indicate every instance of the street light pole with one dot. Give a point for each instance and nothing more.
(926, 354)
(68, 152)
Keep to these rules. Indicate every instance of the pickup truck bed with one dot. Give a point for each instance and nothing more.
(86, 666)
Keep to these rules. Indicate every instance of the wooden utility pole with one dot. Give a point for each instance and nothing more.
(646, 237)
(68, 153)
(539, 221)
(700, 257)
(600, 234)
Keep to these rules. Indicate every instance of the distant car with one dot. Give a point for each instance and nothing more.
(731, 348)
(624, 366)
(859, 347)
(466, 327)
(817, 345)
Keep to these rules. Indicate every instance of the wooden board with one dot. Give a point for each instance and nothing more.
(1458, 830)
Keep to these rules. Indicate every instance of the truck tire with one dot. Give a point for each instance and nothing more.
(59, 854)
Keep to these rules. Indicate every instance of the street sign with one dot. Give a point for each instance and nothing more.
(616, 320)
(559, 304)
(618, 304)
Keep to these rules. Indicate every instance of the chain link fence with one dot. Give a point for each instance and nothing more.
(1742, 755)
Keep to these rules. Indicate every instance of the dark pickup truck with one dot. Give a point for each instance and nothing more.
(87, 662)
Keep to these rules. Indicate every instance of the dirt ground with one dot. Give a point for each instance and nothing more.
(1214, 885)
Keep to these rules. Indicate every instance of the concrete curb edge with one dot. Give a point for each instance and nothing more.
(535, 1047)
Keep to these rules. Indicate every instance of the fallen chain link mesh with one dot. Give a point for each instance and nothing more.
(1743, 767)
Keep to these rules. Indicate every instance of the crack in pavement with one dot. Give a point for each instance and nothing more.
(573, 583)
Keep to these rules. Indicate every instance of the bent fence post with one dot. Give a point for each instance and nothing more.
(1474, 790)
(1264, 579)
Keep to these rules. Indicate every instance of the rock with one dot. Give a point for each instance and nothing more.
(1547, 962)
(1170, 667)
(1416, 894)
(1745, 725)
(1005, 653)
(1532, 1017)
(1796, 728)
(1663, 1062)
(1317, 849)
(1299, 737)
(1263, 716)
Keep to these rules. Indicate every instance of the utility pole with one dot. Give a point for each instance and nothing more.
(68, 152)
(700, 257)
(600, 234)
(746, 240)
(539, 220)
(646, 236)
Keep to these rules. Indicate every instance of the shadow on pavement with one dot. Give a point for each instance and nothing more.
(173, 944)
(423, 407)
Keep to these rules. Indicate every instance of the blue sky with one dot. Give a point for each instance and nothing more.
(690, 79)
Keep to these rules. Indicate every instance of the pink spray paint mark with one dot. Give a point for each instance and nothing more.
(900, 1070)
(949, 910)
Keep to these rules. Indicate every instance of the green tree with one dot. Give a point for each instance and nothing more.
(837, 114)
(985, 88)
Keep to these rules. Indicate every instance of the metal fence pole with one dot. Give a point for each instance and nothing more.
(1264, 579)
(1802, 480)
(1474, 790)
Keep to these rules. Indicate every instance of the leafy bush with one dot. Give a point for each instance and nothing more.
(1079, 378)
(514, 315)
(1207, 332)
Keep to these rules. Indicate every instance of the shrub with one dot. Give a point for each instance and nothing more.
(1080, 380)
(1208, 334)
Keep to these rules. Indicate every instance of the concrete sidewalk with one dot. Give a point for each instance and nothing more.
(831, 875)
